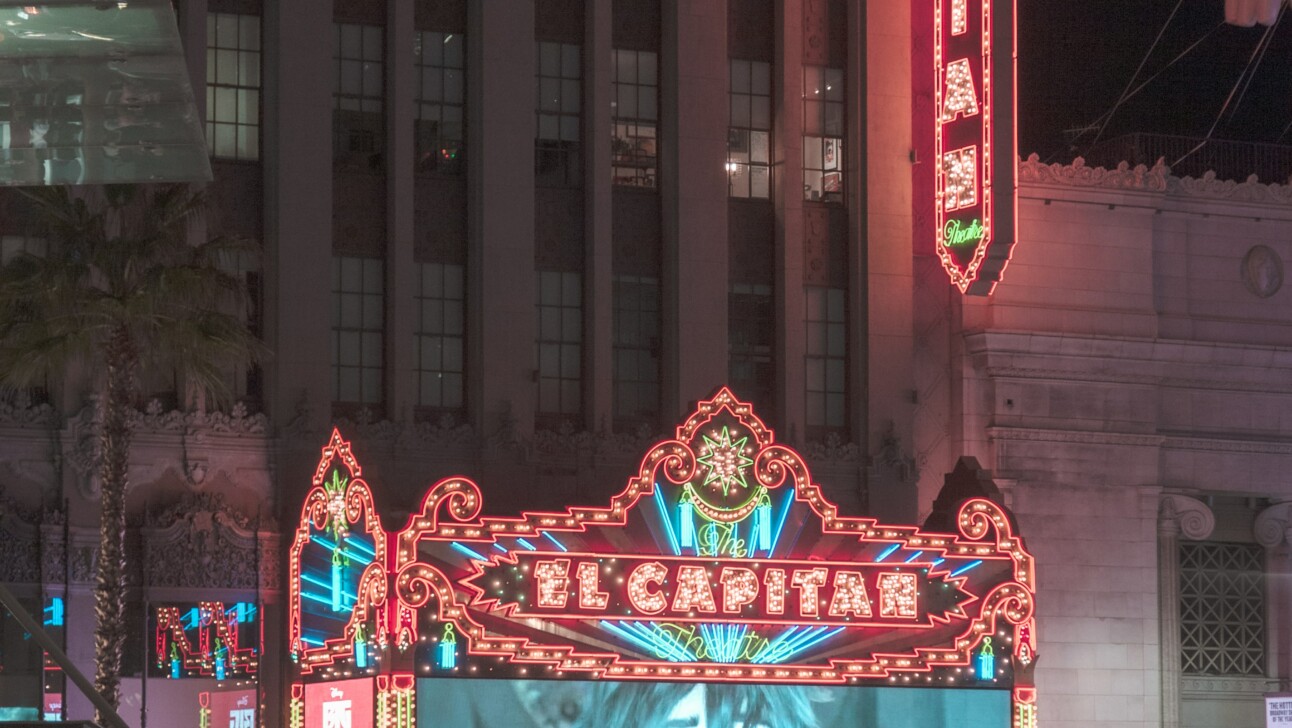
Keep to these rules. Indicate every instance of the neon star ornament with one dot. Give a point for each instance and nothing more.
(726, 461)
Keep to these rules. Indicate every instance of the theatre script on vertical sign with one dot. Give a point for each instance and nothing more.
(976, 152)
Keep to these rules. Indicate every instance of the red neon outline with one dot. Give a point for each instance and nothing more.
(483, 599)
(170, 623)
(371, 590)
(964, 277)
(985, 532)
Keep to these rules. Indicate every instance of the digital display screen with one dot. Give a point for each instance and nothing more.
(234, 708)
(465, 703)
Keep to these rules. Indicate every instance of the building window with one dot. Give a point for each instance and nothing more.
(635, 117)
(560, 342)
(245, 381)
(750, 137)
(823, 134)
(826, 358)
(751, 321)
(559, 108)
(440, 327)
(358, 323)
(636, 348)
(232, 85)
(358, 116)
(1222, 609)
(440, 102)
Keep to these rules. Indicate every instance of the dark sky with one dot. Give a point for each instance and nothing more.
(1076, 57)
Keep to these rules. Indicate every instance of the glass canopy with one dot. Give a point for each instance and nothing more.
(96, 93)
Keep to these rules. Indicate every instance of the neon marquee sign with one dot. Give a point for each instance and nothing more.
(721, 560)
(976, 152)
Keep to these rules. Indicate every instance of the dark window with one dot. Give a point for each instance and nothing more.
(440, 102)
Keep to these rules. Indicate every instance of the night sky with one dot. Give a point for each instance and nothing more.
(1076, 57)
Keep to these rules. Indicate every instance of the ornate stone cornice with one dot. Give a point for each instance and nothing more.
(1157, 178)
(203, 542)
(1273, 526)
(1193, 518)
(21, 412)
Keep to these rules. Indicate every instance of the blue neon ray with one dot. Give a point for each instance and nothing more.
(811, 642)
(668, 522)
(322, 599)
(500, 547)
(938, 562)
(327, 585)
(526, 544)
(887, 552)
(966, 567)
(780, 526)
(913, 556)
(552, 538)
(344, 552)
(467, 551)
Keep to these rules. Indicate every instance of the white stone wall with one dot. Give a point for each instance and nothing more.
(1121, 358)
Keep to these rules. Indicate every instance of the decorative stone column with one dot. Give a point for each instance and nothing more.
(1178, 515)
(1273, 530)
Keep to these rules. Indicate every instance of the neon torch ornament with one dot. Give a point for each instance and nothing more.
(174, 661)
(763, 514)
(686, 521)
(337, 604)
(447, 651)
(360, 648)
(986, 661)
(219, 654)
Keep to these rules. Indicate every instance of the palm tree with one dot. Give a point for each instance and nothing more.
(121, 293)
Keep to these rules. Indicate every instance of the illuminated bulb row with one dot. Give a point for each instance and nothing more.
(897, 595)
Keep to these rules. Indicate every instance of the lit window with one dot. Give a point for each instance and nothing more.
(560, 343)
(825, 362)
(823, 159)
(636, 348)
(358, 137)
(751, 339)
(358, 323)
(634, 112)
(559, 105)
(232, 86)
(750, 136)
(1222, 609)
(440, 102)
(441, 323)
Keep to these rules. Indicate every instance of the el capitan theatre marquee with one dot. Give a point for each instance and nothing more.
(719, 582)
(975, 145)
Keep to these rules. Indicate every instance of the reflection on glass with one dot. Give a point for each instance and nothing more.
(96, 93)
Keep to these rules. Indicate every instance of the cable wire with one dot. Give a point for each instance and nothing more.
(1134, 76)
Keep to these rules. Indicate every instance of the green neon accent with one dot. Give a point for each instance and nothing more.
(449, 636)
(956, 233)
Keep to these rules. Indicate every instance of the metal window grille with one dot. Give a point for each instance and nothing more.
(751, 340)
(560, 342)
(1222, 609)
(636, 347)
(635, 116)
(825, 362)
(441, 102)
(440, 336)
(233, 85)
(749, 138)
(358, 327)
(559, 109)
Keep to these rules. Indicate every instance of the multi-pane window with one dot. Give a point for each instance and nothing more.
(233, 85)
(751, 336)
(440, 326)
(440, 102)
(559, 89)
(636, 347)
(823, 133)
(750, 136)
(358, 323)
(635, 117)
(245, 380)
(357, 120)
(1222, 609)
(826, 357)
(560, 342)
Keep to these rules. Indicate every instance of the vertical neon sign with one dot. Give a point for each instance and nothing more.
(975, 151)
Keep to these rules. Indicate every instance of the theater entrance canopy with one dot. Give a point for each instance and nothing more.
(720, 582)
(96, 92)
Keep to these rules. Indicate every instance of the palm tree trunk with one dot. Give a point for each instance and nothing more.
(121, 361)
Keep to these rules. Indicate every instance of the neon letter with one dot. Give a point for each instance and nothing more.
(775, 581)
(958, 93)
(849, 595)
(959, 17)
(897, 595)
(808, 582)
(960, 168)
(693, 590)
(640, 595)
(553, 583)
(589, 597)
(739, 587)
